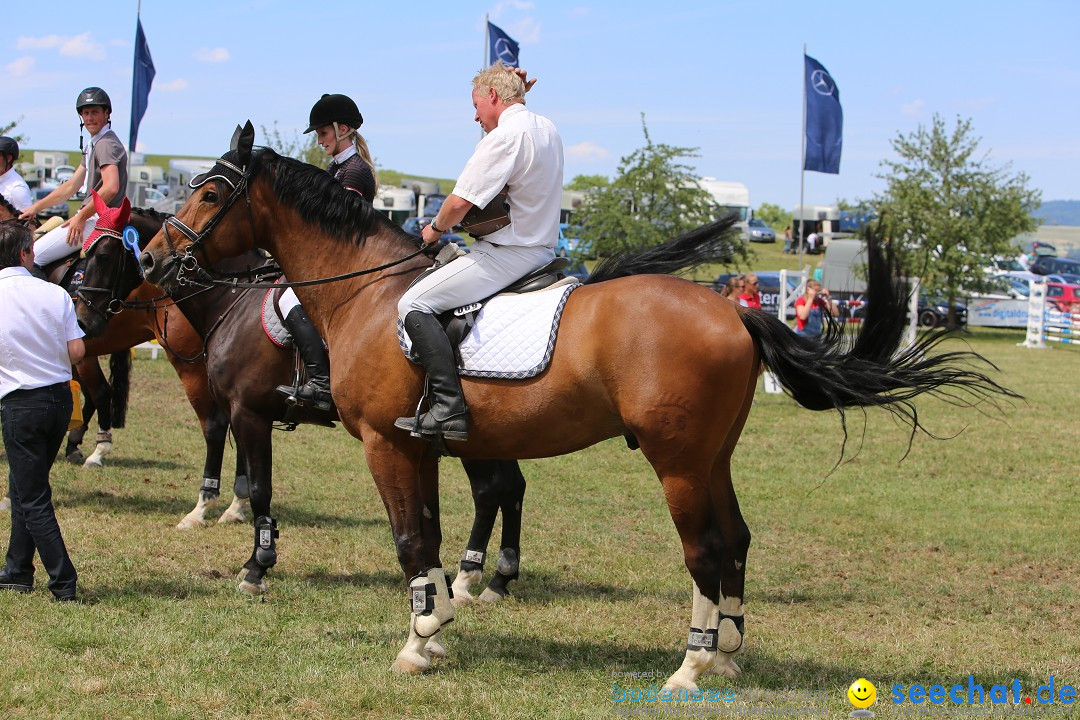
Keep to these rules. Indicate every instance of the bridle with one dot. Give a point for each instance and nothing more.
(188, 269)
(188, 263)
(114, 294)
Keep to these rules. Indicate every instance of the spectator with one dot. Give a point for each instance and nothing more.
(809, 319)
(787, 240)
(733, 288)
(811, 243)
(39, 342)
(750, 297)
(12, 186)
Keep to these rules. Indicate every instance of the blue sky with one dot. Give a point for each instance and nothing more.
(725, 77)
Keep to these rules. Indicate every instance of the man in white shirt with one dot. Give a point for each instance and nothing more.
(39, 342)
(811, 242)
(12, 186)
(522, 153)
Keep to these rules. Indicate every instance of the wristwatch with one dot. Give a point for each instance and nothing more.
(434, 226)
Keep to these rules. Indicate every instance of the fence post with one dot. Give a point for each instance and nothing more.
(1036, 316)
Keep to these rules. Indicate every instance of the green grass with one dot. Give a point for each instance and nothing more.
(962, 559)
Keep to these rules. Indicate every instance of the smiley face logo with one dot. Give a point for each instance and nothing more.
(862, 693)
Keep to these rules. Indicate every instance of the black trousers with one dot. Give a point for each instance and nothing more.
(35, 422)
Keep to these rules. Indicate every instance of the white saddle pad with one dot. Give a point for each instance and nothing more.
(513, 337)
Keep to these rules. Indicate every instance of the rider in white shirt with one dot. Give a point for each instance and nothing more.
(12, 186)
(523, 153)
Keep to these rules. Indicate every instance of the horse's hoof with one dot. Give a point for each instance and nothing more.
(76, 457)
(462, 598)
(92, 462)
(435, 649)
(490, 596)
(678, 682)
(190, 522)
(725, 667)
(250, 588)
(410, 663)
(230, 518)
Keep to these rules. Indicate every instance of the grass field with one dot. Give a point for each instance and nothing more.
(960, 560)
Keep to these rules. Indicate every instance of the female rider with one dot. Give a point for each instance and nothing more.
(335, 120)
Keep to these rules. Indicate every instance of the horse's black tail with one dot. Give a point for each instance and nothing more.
(833, 373)
(120, 382)
(715, 242)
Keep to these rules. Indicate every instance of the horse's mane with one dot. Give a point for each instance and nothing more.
(151, 213)
(320, 199)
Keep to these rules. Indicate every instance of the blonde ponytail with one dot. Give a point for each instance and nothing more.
(365, 155)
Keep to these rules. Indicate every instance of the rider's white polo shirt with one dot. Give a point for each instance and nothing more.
(15, 190)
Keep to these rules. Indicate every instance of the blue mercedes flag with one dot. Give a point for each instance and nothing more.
(824, 120)
(142, 76)
(501, 47)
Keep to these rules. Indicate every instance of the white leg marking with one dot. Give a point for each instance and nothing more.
(197, 517)
(464, 580)
(235, 512)
(102, 449)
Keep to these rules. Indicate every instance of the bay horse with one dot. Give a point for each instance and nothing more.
(146, 318)
(659, 359)
(241, 371)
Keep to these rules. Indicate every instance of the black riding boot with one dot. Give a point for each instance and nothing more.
(447, 414)
(316, 391)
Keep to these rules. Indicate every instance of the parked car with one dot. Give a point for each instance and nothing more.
(1051, 264)
(570, 244)
(415, 226)
(934, 312)
(1065, 298)
(1064, 278)
(59, 210)
(758, 231)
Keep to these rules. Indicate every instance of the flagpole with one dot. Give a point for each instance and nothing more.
(487, 44)
(802, 164)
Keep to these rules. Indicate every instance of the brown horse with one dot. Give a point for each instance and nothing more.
(244, 369)
(663, 361)
(146, 317)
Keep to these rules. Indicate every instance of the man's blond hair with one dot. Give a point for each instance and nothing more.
(508, 86)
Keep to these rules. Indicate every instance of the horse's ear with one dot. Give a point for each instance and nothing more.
(244, 142)
(235, 137)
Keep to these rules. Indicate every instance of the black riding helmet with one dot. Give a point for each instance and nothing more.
(332, 109)
(93, 96)
(8, 146)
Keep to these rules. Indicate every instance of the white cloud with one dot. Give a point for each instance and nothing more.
(526, 31)
(913, 108)
(587, 151)
(173, 85)
(19, 66)
(80, 46)
(504, 4)
(211, 55)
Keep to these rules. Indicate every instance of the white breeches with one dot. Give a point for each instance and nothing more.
(53, 245)
(486, 270)
(287, 302)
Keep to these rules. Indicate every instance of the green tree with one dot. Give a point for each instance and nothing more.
(653, 198)
(306, 149)
(587, 182)
(951, 209)
(774, 216)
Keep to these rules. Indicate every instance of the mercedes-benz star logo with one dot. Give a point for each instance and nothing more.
(504, 53)
(821, 82)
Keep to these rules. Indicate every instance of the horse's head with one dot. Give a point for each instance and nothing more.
(204, 230)
(112, 270)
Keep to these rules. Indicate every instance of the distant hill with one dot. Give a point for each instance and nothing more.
(1060, 212)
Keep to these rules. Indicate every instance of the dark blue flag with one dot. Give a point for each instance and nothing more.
(142, 76)
(501, 47)
(824, 120)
